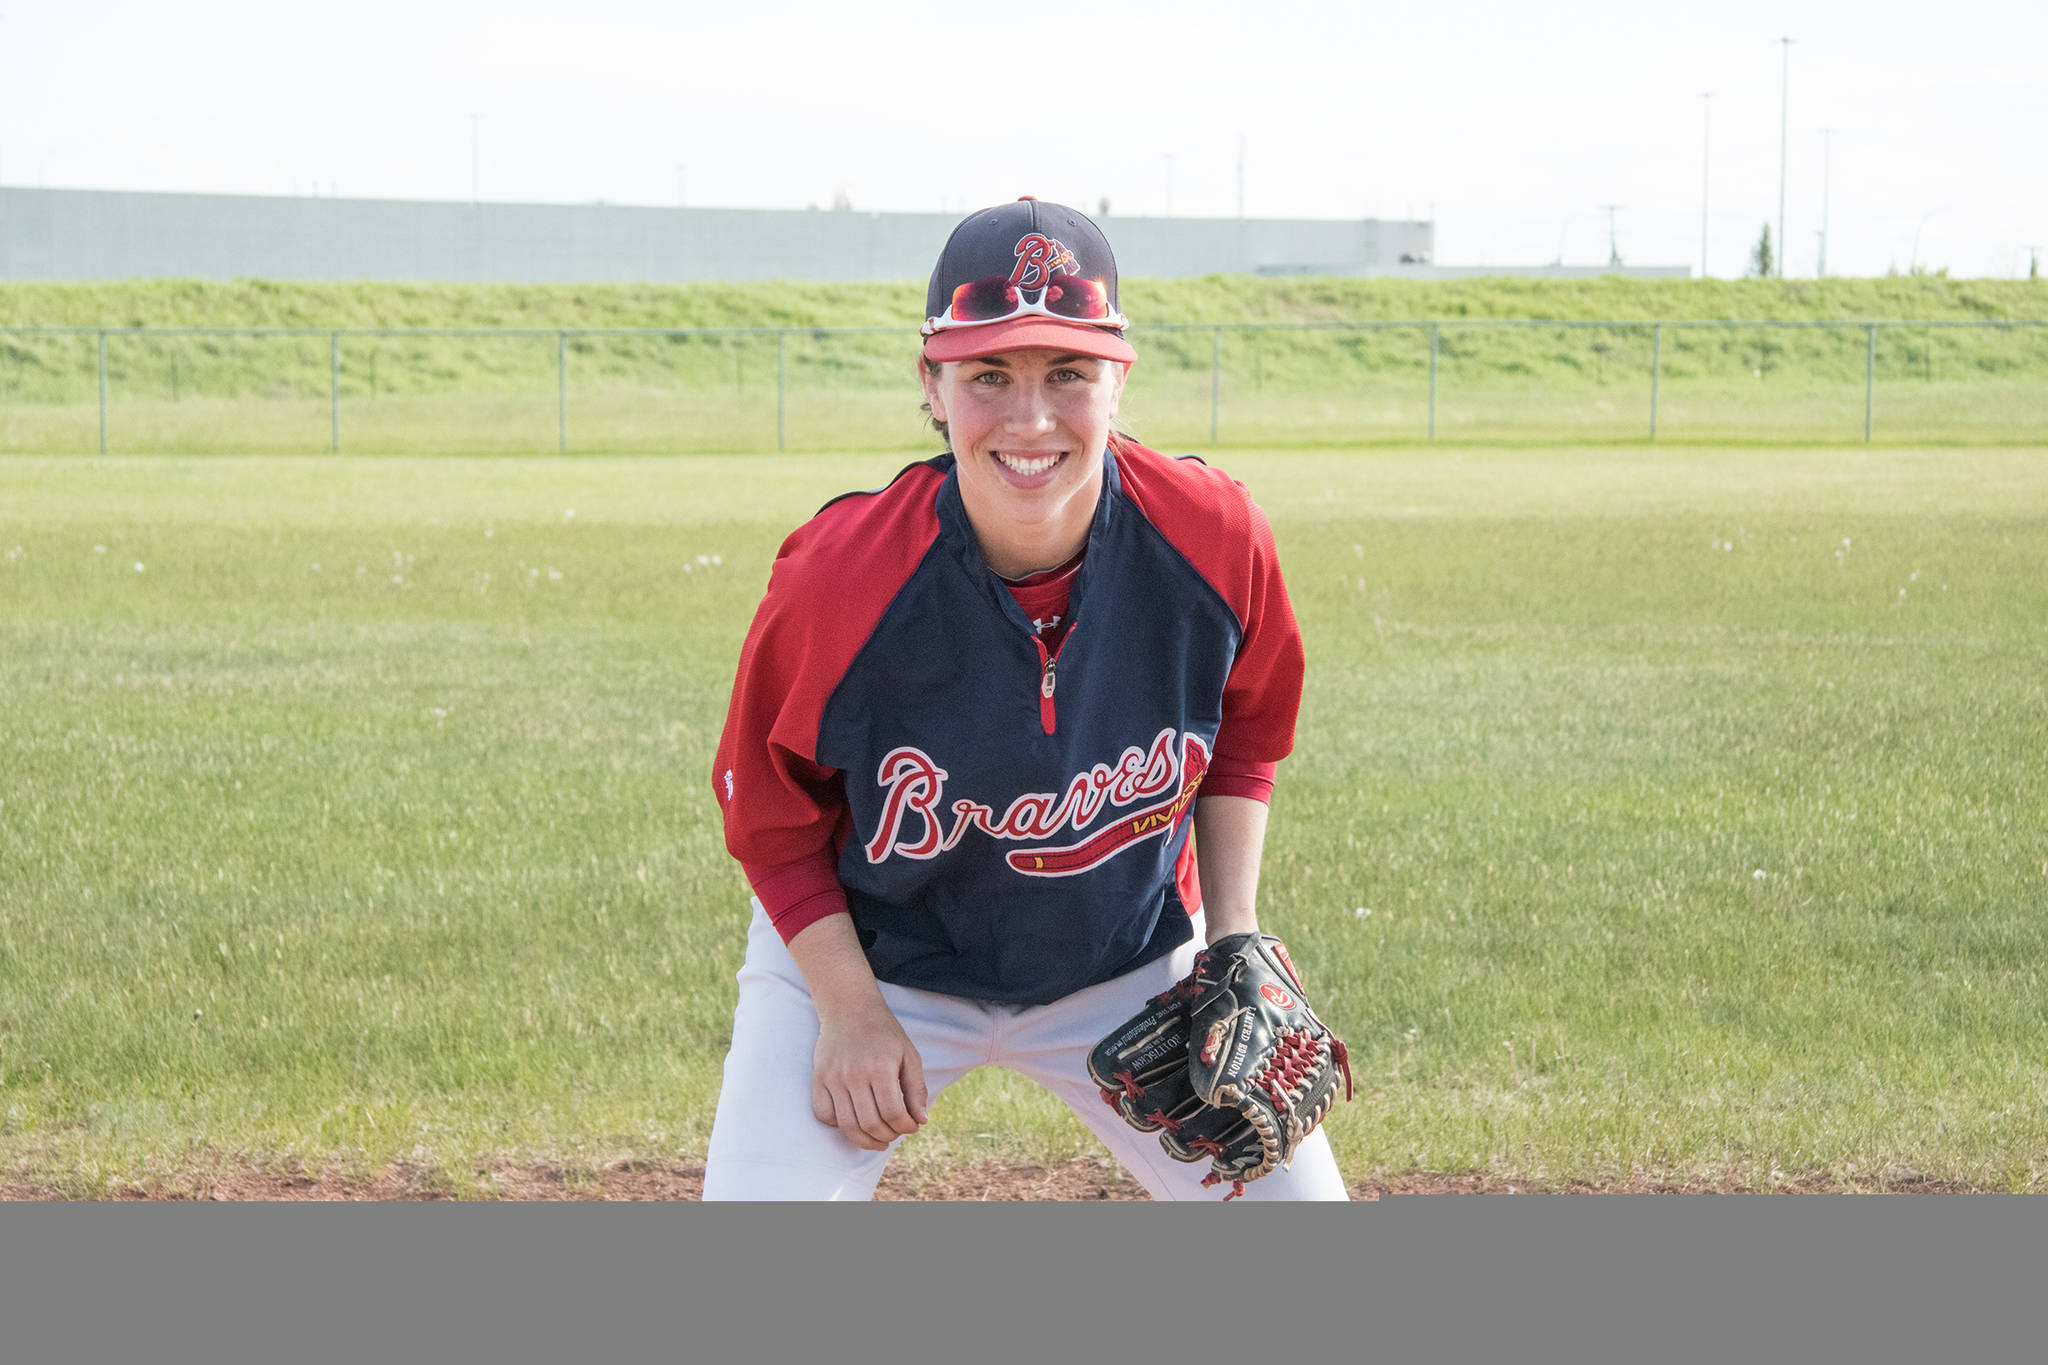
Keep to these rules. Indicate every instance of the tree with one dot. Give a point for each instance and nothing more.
(1760, 257)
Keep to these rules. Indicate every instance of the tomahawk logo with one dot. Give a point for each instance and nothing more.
(1039, 258)
(914, 824)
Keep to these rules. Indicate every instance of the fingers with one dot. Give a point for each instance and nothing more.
(845, 1117)
(869, 1109)
(916, 1097)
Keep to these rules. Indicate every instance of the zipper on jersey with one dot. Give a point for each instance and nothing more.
(1048, 719)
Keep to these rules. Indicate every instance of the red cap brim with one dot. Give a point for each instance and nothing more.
(1025, 333)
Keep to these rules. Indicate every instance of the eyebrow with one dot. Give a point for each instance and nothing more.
(1002, 364)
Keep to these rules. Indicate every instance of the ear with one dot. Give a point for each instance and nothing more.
(1119, 371)
(930, 383)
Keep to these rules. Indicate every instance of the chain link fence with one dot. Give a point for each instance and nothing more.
(435, 390)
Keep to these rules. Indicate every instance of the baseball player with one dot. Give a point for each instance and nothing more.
(975, 719)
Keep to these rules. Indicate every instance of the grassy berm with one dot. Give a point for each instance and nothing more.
(1670, 815)
(1288, 375)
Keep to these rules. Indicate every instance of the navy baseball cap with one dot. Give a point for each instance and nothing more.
(1021, 275)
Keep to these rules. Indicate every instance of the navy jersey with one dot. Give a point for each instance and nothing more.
(1004, 823)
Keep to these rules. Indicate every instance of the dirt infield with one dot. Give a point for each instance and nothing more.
(1076, 1181)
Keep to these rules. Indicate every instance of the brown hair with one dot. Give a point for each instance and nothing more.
(931, 367)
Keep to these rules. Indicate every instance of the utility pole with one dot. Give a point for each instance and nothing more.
(1706, 133)
(473, 196)
(1784, 108)
(1613, 250)
(1827, 140)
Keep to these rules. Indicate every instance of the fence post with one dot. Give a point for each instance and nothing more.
(1215, 380)
(103, 390)
(1433, 329)
(334, 392)
(1869, 375)
(1656, 368)
(781, 368)
(561, 391)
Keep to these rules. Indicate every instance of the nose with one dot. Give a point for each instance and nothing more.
(1031, 408)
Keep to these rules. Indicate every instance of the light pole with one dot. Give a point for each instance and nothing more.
(1563, 233)
(1913, 264)
(1613, 250)
(1706, 133)
(1784, 107)
(1827, 139)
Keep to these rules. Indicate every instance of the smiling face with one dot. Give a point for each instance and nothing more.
(1028, 429)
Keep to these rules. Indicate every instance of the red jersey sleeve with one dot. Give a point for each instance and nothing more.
(785, 813)
(1235, 777)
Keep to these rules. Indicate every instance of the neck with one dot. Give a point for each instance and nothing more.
(1015, 545)
(1020, 551)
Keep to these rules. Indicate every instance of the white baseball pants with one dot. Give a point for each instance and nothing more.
(766, 1143)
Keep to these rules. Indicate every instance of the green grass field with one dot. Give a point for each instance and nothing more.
(1655, 810)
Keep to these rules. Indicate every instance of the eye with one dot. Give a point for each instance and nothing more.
(1065, 375)
(987, 378)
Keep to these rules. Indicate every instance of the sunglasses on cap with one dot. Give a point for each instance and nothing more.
(1069, 298)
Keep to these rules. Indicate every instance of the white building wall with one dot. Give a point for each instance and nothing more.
(109, 234)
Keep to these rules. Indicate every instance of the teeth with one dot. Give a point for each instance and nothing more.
(1028, 467)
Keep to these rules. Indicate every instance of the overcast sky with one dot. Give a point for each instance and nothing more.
(1513, 122)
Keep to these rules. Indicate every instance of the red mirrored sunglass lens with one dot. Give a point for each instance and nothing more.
(984, 300)
(1070, 296)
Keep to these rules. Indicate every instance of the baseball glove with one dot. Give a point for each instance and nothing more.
(1228, 1064)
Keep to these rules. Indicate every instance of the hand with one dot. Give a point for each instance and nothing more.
(866, 1077)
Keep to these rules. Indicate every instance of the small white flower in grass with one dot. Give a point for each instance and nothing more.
(439, 713)
(1913, 577)
(1902, 592)
(688, 567)
(395, 578)
(1845, 542)
(488, 533)
(1727, 544)
(568, 511)
(99, 549)
(1759, 874)
(554, 575)
(138, 566)
(703, 559)
(1362, 912)
(316, 568)
(717, 559)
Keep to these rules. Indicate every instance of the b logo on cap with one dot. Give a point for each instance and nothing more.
(1039, 258)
